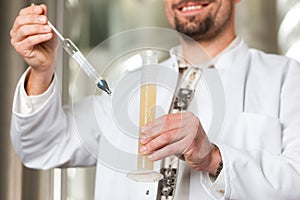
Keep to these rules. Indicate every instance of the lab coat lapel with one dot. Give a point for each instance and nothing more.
(233, 69)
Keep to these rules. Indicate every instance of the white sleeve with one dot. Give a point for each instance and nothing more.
(29, 104)
(44, 135)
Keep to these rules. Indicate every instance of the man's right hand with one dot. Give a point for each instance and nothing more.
(34, 41)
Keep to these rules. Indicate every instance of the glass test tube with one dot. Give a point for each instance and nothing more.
(145, 168)
(147, 101)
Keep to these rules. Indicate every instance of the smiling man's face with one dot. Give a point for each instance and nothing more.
(202, 20)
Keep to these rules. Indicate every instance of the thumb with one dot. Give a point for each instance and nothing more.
(44, 7)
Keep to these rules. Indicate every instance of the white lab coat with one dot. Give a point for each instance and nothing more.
(259, 142)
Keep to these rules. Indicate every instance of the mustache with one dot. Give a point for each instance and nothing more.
(183, 2)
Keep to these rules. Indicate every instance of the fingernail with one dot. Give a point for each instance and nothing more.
(150, 157)
(42, 18)
(46, 28)
(36, 8)
(143, 139)
(144, 128)
(47, 35)
(143, 149)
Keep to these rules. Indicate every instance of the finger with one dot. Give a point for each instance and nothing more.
(162, 130)
(172, 149)
(30, 30)
(164, 139)
(27, 20)
(25, 46)
(163, 124)
(162, 119)
(179, 115)
(45, 10)
(32, 10)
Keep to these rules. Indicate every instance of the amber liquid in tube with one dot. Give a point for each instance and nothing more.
(147, 114)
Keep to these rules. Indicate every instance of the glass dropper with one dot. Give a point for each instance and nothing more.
(76, 54)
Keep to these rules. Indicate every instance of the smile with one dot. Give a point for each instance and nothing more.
(192, 7)
(189, 8)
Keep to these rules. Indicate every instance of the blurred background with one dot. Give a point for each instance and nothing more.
(269, 25)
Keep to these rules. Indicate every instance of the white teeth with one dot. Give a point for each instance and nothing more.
(189, 8)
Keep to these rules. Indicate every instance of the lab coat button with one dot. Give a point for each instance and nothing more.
(28, 107)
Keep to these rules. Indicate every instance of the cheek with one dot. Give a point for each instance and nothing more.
(170, 18)
(169, 13)
(223, 13)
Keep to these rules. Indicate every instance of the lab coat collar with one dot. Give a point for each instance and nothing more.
(176, 54)
(220, 60)
(228, 56)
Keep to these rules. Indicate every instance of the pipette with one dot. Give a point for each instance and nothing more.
(76, 54)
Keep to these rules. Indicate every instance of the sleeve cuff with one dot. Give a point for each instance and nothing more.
(215, 186)
(219, 183)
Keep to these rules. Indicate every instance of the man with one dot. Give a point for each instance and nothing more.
(259, 144)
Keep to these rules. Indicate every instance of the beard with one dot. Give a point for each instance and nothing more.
(204, 30)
